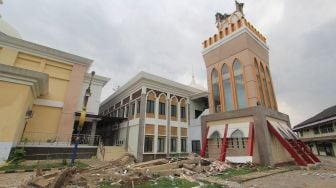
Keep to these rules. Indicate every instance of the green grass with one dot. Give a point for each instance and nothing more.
(19, 166)
(231, 172)
(161, 182)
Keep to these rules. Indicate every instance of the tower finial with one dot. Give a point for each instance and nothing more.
(239, 7)
(1, 2)
(193, 82)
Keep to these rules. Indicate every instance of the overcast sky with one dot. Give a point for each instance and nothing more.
(124, 37)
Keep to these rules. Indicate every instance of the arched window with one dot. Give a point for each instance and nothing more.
(215, 90)
(261, 93)
(269, 82)
(237, 139)
(150, 108)
(237, 134)
(183, 110)
(263, 78)
(227, 88)
(239, 84)
(162, 106)
(173, 109)
(216, 136)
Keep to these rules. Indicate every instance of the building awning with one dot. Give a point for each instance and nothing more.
(320, 138)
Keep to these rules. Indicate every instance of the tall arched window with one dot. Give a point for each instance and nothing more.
(150, 108)
(173, 108)
(261, 93)
(227, 88)
(239, 84)
(237, 134)
(237, 139)
(183, 110)
(263, 78)
(162, 106)
(215, 90)
(269, 82)
(216, 136)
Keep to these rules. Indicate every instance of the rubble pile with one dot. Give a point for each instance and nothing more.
(126, 172)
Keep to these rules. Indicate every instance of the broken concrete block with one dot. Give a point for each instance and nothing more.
(40, 182)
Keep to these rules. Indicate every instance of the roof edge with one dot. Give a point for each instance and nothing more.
(27, 46)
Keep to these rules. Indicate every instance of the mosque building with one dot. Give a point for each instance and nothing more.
(40, 91)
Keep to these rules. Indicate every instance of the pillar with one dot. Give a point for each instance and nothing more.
(263, 137)
(93, 132)
(142, 117)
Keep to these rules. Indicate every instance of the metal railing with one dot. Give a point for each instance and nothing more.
(42, 138)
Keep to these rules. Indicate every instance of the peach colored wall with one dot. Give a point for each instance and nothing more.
(71, 100)
(245, 49)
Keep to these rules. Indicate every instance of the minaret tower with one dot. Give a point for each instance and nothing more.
(242, 103)
(237, 64)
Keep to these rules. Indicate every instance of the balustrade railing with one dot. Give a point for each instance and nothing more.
(41, 138)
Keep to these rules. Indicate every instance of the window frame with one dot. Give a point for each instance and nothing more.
(161, 142)
(173, 145)
(146, 142)
(162, 108)
(183, 112)
(183, 145)
(150, 106)
(173, 110)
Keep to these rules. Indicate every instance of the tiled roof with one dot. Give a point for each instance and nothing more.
(327, 113)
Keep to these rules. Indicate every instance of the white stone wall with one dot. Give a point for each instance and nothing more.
(5, 148)
(94, 100)
(194, 130)
(133, 139)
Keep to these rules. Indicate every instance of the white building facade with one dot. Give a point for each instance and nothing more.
(159, 113)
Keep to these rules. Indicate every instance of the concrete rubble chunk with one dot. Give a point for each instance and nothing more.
(124, 171)
(40, 182)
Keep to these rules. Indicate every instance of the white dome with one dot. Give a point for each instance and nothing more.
(8, 29)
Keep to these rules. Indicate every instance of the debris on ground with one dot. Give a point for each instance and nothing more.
(124, 171)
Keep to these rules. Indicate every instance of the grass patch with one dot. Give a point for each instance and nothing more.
(162, 182)
(231, 172)
(19, 166)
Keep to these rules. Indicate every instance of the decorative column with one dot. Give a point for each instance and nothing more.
(72, 97)
(93, 132)
(168, 111)
(141, 125)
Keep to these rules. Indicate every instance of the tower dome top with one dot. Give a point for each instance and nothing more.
(8, 29)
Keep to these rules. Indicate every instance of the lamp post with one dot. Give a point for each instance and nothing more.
(81, 119)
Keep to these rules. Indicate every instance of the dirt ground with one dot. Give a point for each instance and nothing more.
(324, 177)
(15, 179)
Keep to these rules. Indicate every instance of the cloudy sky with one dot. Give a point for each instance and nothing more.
(124, 37)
